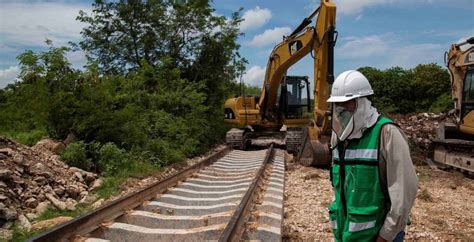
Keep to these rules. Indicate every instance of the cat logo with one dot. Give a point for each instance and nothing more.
(295, 46)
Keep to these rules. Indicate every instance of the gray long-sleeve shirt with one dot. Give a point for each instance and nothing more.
(402, 181)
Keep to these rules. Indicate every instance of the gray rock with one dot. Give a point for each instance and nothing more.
(31, 216)
(59, 190)
(56, 202)
(47, 189)
(24, 223)
(89, 177)
(98, 203)
(42, 207)
(19, 169)
(3, 184)
(5, 174)
(96, 184)
(71, 204)
(19, 159)
(51, 145)
(88, 199)
(41, 180)
(78, 176)
(38, 167)
(70, 138)
(8, 225)
(46, 174)
(5, 234)
(41, 197)
(2, 197)
(72, 190)
(31, 202)
(6, 151)
(6, 213)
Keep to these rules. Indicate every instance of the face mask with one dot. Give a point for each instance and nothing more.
(343, 115)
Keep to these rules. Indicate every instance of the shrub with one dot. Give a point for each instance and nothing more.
(76, 155)
(112, 159)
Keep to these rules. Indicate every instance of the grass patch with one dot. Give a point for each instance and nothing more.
(53, 213)
(424, 176)
(19, 235)
(425, 195)
(110, 187)
(27, 138)
(112, 184)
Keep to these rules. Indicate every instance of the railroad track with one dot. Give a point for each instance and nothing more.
(212, 200)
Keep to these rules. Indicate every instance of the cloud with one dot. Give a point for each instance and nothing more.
(356, 7)
(8, 75)
(29, 24)
(254, 76)
(362, 47)
(409, 56)
(76, 58)
(270, 36)
(349, 7)
(255, 18)
(387, 50)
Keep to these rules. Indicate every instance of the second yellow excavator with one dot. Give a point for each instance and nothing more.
(285, 99)
(454, 146)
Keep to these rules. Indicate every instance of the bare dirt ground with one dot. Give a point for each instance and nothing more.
(444, 208)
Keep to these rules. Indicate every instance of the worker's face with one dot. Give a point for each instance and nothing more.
(343, 113)
(349, 105)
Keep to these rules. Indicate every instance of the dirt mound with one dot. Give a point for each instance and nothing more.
(421, 128)
(31, 179)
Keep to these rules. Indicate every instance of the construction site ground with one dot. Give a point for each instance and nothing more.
(444, 207)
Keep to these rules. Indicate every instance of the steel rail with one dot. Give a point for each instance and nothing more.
(234, 228)
(89, 222)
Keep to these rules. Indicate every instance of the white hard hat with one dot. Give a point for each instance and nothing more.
(349, 85)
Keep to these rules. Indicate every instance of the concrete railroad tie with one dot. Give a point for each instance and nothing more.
(200, 207)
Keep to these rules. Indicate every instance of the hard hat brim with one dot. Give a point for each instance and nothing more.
(339, 99)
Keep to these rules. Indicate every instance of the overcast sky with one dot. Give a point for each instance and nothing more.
(378, 33)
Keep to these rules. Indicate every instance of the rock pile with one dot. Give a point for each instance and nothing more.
(421, 128)
(32, 179)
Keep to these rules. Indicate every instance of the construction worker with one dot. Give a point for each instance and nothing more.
(372, 173)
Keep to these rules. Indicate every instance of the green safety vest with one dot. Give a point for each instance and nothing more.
(361, 203)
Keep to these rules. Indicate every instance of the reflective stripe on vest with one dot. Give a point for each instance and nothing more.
(354, 227)
(360, 154)
(333, 224)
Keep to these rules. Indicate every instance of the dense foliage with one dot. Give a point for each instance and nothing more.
(152, 92)
(425, 88)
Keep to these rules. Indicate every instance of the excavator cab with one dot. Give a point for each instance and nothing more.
(293, 97)
(467, 104)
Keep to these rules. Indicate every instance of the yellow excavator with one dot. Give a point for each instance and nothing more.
(454, 146)
(285, 100)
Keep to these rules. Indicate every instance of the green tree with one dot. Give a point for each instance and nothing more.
(423, 88)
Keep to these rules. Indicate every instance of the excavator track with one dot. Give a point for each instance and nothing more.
(293, 140)
(454, 154)
(237, 139)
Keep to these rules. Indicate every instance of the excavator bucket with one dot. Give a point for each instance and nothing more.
(313, 153)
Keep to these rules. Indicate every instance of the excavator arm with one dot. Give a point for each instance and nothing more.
(304, 40)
